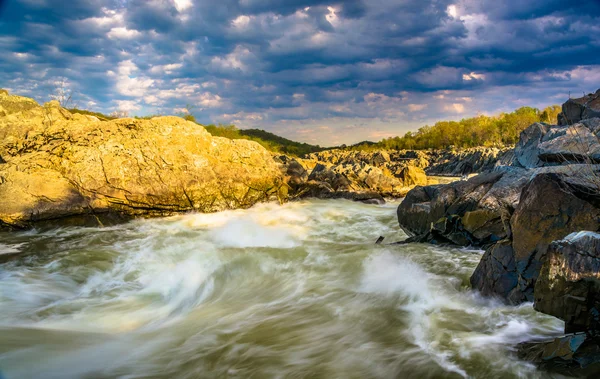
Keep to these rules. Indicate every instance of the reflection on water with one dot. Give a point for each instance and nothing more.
(294, 291)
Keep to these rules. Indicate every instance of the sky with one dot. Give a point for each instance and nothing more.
(325, 72)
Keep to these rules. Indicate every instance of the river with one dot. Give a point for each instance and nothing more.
(292, 291)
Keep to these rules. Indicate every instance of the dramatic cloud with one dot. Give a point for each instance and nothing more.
(320, 71)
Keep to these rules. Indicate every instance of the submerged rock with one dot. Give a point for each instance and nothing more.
(62, 165)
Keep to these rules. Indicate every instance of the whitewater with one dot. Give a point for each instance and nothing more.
(292, 291)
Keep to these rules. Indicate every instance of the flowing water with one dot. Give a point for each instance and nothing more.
(293, 291)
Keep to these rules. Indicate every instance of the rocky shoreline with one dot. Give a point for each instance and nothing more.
(63, 168)
(538, 217)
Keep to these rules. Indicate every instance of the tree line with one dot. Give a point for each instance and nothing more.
(500, 130)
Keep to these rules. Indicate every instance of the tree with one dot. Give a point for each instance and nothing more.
(63, 94)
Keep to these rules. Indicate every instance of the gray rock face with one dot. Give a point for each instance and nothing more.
(551, 189)
(569, 283)
(575, 110)
(349, 178)
(473, 212)
(546, 145)
(550, 208)
(466, 161)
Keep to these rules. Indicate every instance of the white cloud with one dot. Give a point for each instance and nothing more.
(234, 60)
(182, 5)
(455, 108)
(127, 105)
(123, 33)
(241, 22)
(451, 10)
(473, 76)
(166, 69)
(209, 100)
(416, 107)
(134, 86)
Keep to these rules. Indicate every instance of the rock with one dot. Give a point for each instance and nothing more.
(356, 178)
(546, 145)
(574, 355)
(435, 162)
(414, 212)
(496, 274)
(62, 165)
(575, 110)
(568, 286)
(527, 150)
(413, 176)
(14, 104)
(473, 212)
(465, 161)
(550, 208)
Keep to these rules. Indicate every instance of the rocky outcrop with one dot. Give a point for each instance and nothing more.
(551, 206)
(575, 110)
(543, 145)
(61, 165)
(515, 211)
(473, 212)
(568, 286)
(357, 181)
(524, 214)
(466, 161)
(450, 162)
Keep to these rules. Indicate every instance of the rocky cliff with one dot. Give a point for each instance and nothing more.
(58, 165)
(524, 214)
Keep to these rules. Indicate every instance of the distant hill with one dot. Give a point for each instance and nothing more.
(270, 141)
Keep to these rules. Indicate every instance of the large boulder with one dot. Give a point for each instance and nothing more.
(472, 212)
(62, 165)
(14, 104)
(568, 286)
(546, 145)
(575, 110)
(551, 206)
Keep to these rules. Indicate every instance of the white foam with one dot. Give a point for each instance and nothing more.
(10, 249)
(242, 233)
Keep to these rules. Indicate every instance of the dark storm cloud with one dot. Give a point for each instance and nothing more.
(289, 65)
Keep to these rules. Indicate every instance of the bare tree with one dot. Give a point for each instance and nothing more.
(63, 94)
(120, 114)
(187, 112)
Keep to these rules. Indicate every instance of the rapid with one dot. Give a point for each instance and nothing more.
(292, 291)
